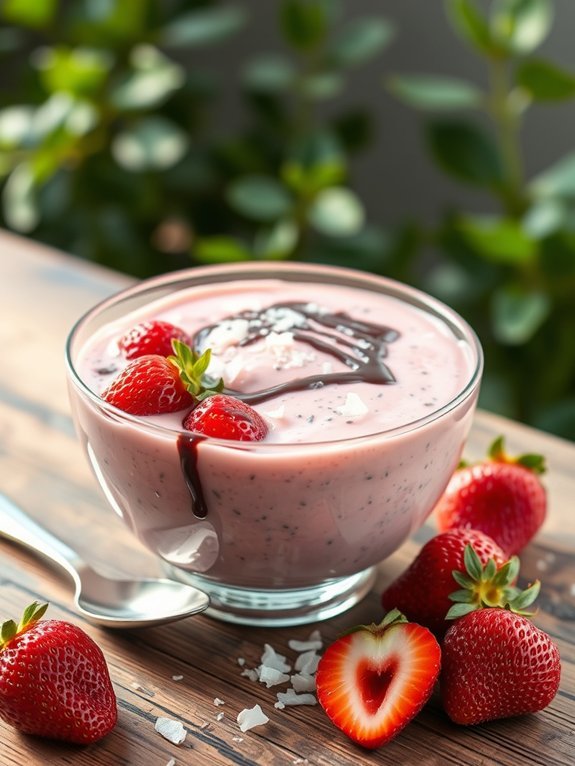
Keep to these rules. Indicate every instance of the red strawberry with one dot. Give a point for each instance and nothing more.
(501, 496)
(374, 680)
(497, 664)
(54, 681)
(422, 591)
(226, 417)
(151, 337)
(150, 385)
(154, 385)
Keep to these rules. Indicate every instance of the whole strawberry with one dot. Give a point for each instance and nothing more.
(422, 591)
(151, 337)
(155, 385)
(226, 417)
(54, 681)
(373, 681)
(502, 496)
(497, 664)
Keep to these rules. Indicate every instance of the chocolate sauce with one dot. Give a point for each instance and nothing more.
(360, 346)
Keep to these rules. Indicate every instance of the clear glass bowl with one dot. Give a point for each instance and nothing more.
(293, 532)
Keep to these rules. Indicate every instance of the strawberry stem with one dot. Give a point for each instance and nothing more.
(530, 460)
(192, 369)
(9, 630)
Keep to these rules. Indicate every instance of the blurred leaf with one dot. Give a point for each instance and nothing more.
(517, 314)
(259, 197)
(354, 129)
(359, 41)
(469, 24)
(30, 13)
(545, 81)
(203, 26)
(318, 148)
(337, 212)
(450, 282)
(51, 116)
(220, 250)
(545, 217)
(269, 74)
(303, 22)
(321, 86)
(557, 262)
(15, 126)
(465, 151)
(150, 83)
(501, 240)
(19, 200)
(79, 71)
(557, 181)
(153, 143)
(431, 92)
(307, 181)
(108, 23)
(520, 26)
(277, 242)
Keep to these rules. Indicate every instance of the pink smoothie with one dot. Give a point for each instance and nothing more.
(363, 396)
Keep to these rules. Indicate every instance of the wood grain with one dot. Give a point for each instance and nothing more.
(42, 468)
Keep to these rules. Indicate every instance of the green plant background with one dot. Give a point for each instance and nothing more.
(111, 149)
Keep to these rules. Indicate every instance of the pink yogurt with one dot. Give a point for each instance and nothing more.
(348, 470)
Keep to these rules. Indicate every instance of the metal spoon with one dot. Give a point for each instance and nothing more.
(112, 603)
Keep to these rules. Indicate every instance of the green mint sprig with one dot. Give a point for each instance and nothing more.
(192, 368)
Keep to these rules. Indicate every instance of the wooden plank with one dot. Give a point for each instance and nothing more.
(42, 468)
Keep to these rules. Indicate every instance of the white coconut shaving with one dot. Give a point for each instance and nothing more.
(241, 661)
(177, 678)
(277, 414)
(171, 730)
(271, 659)
(218, 702)
(252, 673)
(307, 662)
(303, 682)
(171, 762)
(250, 717)
(290, 697)
(220, 716)
(354, 407)
(228, 333)
(305, 646)
(271, 676)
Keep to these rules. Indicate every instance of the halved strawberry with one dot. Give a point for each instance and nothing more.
(151, 337)
(226, 417)
(373, 681)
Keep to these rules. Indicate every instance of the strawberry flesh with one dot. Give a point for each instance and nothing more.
(373, 681)
(225, 417)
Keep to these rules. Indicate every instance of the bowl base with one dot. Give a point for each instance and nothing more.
(278, 608)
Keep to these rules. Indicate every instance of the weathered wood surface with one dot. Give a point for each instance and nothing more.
(42, 468)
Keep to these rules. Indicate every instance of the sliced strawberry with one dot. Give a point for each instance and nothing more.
(501, 496)
(150, 385)
(151, 337)
(373, 681)
(226, 417)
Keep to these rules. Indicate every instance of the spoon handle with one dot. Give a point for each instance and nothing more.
(17, 526)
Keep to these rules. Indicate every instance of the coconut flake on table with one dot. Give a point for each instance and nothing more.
(252, 673)
(241, 661)
(250, 717)
(177, 678)
(171, 730)
(354, 406)
(307, 662)
(271, 676)
(305, 646)
(303, 682)
(220, 716)
(218, 702)
(271, 659)
(171, 762)
(290, 697)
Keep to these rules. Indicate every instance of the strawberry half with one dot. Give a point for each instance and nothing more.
(373, 681)
(54, 681)
(422, 591)
(226, 417)
(151, 337)
(502, 496)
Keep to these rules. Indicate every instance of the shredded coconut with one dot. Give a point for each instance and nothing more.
(354, 407)
(271, 659)
(304, 646)
(220, 716)
(252, 673)
(250, 717)
(171, 762)
(290, 697)
(177, 678)
(307, 662)
(237, 739)
(171, 730)
(303, 682)
(218, 702)
(241, 661)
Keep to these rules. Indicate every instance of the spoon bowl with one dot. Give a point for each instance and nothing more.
(106, 601)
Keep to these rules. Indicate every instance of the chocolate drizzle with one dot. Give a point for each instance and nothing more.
(360, 346)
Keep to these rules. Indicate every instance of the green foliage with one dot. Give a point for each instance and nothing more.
(112, 147)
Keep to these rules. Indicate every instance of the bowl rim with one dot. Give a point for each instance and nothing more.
(339, 275)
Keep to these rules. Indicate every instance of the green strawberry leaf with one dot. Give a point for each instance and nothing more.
(460, 610)
(192, 368)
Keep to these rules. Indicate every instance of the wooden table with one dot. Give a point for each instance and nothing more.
(42, 468)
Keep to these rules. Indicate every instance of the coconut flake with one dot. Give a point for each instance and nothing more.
(354, 407)
(307, 662)
(277, 414)
(229, 333)
(171, 730)
(177, 678)
(271, 676)
(171, 762)
(279, 705)
(271, 659)
(252, 673)
(241, 661)
(290, 697)
(218, 702)
(250, 717)
(305, 646)
(220, 716)
(303, 682)
(315, 635)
